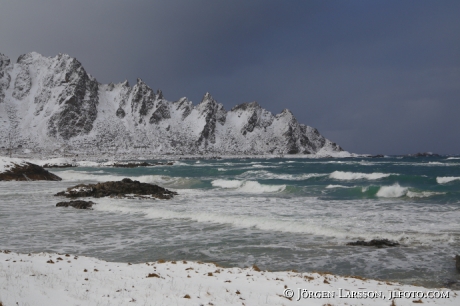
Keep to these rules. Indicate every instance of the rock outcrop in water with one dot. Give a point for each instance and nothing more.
(27, 172)
(53, 103)
(379, 243)
(79, 204)
(119, 189)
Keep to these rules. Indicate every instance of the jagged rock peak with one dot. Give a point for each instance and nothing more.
(4, 60)
(246, 106)
(207, 97)
(159, 94)
(67, 107)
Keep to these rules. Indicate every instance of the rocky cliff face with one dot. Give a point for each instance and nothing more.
(50, 103)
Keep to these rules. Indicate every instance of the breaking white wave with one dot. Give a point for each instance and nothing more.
(337, 186)
(178, 163)
(177, 182)
(263, 166)
(268, 222)
(423, 194)
(446, 179)
(247, 186)
(393, 191)
(227, 183)
(453, 158)
(72, 175)
(341, 175)
(266, 175)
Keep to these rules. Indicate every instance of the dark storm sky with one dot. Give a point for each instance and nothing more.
(374, 76)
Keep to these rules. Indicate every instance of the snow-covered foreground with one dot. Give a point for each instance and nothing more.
(62, 279)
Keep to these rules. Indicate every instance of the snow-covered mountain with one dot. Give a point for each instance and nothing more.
(50, 103)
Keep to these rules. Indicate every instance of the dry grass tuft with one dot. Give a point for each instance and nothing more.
(255, 268)
(356, 277)
(153, 275)
(393, 303)
(186, 296)
(419, 301)
(161, 261)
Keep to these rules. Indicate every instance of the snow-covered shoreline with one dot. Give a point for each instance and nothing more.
(86, 160)
(63, 279)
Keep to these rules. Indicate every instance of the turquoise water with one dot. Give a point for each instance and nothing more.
(280, 214)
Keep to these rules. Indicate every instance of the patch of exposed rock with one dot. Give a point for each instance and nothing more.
(27, 172)
(126, 188)
(58, 165)
(379, 243)
(78, 204)
(140, 164)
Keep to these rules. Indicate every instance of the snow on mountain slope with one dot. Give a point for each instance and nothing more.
(53, 103)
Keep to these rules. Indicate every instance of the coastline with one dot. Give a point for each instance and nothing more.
(63, 279)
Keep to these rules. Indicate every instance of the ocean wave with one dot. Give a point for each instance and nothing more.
(175, 182)
(453, 158)
(227, 183)
(337, 186)
(396, 191)
(263, 166)
(346, 176)
(422, 194)
(266, 175)
(247, 186)
(267, 223)
(446, 179)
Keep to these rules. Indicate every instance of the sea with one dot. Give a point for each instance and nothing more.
(277, 213)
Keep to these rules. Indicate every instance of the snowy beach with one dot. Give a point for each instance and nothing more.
(64, 279)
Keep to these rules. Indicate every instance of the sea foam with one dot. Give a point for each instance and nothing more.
(446, 179)
(266, 175)
(394, 191)
(247, 186)
(341, 175)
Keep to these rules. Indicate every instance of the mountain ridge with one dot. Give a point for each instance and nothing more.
(48, 103)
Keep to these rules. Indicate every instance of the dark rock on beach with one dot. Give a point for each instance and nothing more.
(28, 172)
(120, 189)
(79, 204)
(457, 263)
(140, 164)
(379, 243)
(58, 166)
